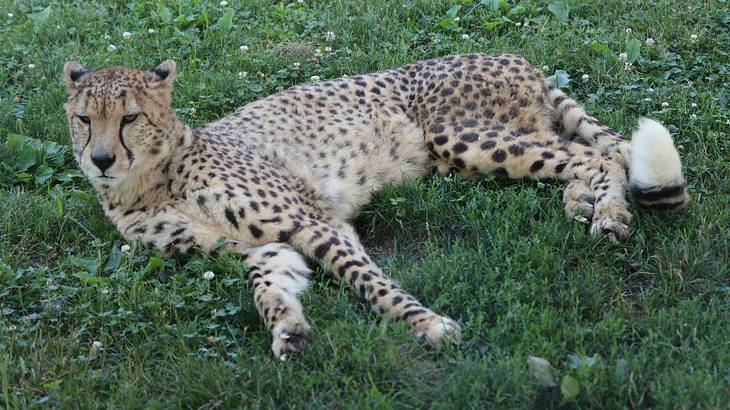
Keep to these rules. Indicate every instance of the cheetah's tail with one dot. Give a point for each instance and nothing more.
(655, 170)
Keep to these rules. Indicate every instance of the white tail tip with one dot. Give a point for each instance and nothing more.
(655, 172)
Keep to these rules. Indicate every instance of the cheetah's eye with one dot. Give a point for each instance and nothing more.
(84, 119)
(129, 118)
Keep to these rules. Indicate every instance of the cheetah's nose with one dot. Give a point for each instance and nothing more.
(102, 159)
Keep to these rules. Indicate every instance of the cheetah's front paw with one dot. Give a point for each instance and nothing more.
(289, 334)
(612, 220)
(436, 329)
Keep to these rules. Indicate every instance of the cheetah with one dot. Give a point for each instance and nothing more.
(281, 178)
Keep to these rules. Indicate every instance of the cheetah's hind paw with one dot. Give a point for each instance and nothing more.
(437, 329)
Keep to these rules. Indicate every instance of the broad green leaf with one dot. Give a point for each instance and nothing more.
(155, 264)
(225, 23)
(88, 265)
(495, 4)
(15, 142)
(163, 13)
(560, 10)
(26, 159)
(58, 207)
(219, 244)
(576, 361)
(53, 384)
(516, 10)
(255, 87)
(632, 50)
(67, 175)
(88, 278)
(453, 11)
(542, 370)
(24, 177)
(40, 17)
(115, 258)
(560, 79)
(491, 25)
(43, 174)
(623, 369)
(570, 388)
(601, 48)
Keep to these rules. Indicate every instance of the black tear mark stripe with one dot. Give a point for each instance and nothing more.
(88, 138)
(130, 156)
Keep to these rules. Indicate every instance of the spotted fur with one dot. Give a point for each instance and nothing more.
(281, 177)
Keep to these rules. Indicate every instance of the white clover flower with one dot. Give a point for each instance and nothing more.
(649, 41)
(111, 48)
(243, 49)
(125, 249)
(223, 3)
(465, 37)
(31, 66)
(518, 24)
(314, 78)
(208, 275)
(96, 345)
(693, 38)
(105, 291)
(300, 1)
(151, 31)
(126, 35)
(242, 75)
(651, 90)
(545, 68)
(629, 30)
(623, 57)
(49, 282)
(329, 36)
(665, 104)
(296, 66)
(457, 19)
(693, 117)
(585, 77)
(317, 53)
(694, 105)
(10, 15)
(328, 49)
(647, 99)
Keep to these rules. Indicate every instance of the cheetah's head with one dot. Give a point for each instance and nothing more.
(121, 119)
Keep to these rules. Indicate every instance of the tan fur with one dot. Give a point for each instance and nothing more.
(285, 174)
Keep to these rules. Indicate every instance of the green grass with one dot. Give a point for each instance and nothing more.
(653, 313)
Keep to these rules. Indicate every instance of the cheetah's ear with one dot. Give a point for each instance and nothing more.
(165, 73)
(73, 74)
